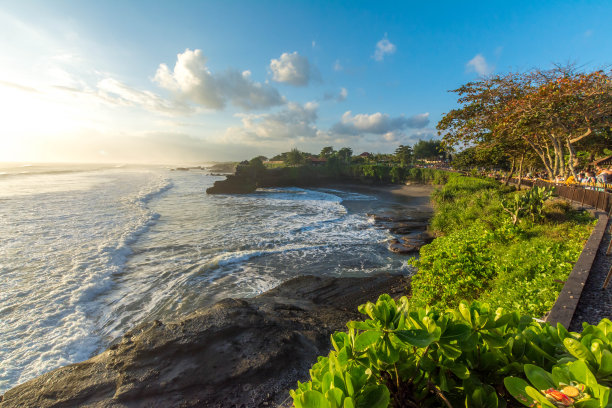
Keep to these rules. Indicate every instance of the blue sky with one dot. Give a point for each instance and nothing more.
(196, 81)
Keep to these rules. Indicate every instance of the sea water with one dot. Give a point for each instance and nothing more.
(88, 252)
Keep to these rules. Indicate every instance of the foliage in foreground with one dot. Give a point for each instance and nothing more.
(518, 262)
(423, 358)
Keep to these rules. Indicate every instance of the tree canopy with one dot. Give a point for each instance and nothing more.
(547, 112)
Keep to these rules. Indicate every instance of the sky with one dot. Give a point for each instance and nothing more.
(193, 81)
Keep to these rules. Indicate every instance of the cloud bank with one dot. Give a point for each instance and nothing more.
(378, 123)
(192, 81)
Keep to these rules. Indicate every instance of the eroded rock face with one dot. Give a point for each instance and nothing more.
(237, 353)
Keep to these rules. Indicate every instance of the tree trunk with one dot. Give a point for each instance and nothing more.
(572, 154)
(544, 156)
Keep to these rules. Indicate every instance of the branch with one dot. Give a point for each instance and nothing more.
(585, 134)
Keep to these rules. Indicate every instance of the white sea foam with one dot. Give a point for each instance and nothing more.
(85, 256)
(60, 252)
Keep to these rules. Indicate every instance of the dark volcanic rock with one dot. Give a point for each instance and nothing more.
(232, 185)
(237, 353)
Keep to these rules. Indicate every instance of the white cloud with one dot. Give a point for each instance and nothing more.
(292, 69)
(384, 47)
(378, 123)
(192, 81)
(343, 94)
(296, 122)
(338, 66)
(479, 65)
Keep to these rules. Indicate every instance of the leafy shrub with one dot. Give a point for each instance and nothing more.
(422, 358)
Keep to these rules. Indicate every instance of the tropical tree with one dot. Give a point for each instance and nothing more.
(295, 157)
(428, 149)
(550, 111)
(327, 152)
(403, 155)
(345, 155)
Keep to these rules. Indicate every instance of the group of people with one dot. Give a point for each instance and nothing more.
(599, 175)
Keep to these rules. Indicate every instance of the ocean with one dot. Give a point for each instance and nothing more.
(89, 251)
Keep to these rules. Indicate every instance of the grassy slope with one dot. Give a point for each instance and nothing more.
(481, 256)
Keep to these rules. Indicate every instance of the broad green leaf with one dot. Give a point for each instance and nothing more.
(313, 399)
(373, 396)
(561, 375)
(517, 388)
(326, 381)
(348, 382)
(455, 332)
(460, 370)
(334, 397)
(578, 350)
(348, 403)
(605, 325)
(482, 397)
(450, 351)
(605, 368)
(464, 310)
(501, 321)
(581, 373)
(537, 396)
(494, 340)
(562, 332)
(367, 339)
(539, 377)
(415, 337)
(386, 351)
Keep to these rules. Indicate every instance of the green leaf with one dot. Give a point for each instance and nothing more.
(537, 396)
(334, 396)
(415, 337)
(578, 350)
(450, 351)
(605, 368)
(373, 396)
(482, 397)
(460, 370)
(455, 332)
(386, 351)
(561, 375)
(368, 325)
(517, 388)
(539, 377)
(494, 340)
(348, 403)
(367, 339)
(464, 310)
(313, 399)
(348, 382)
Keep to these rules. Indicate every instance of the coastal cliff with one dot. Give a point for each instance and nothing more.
(239, 352)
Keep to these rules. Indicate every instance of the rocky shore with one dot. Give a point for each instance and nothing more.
(237, 353)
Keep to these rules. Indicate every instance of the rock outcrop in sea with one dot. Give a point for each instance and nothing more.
(237, 353)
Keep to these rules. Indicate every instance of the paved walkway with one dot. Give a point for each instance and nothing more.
(596, 303)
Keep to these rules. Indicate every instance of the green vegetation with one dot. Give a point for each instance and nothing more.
(483, 253)
(405, 357)
(451, 343)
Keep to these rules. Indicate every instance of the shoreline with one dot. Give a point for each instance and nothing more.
(313, 310)
(239, 352)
